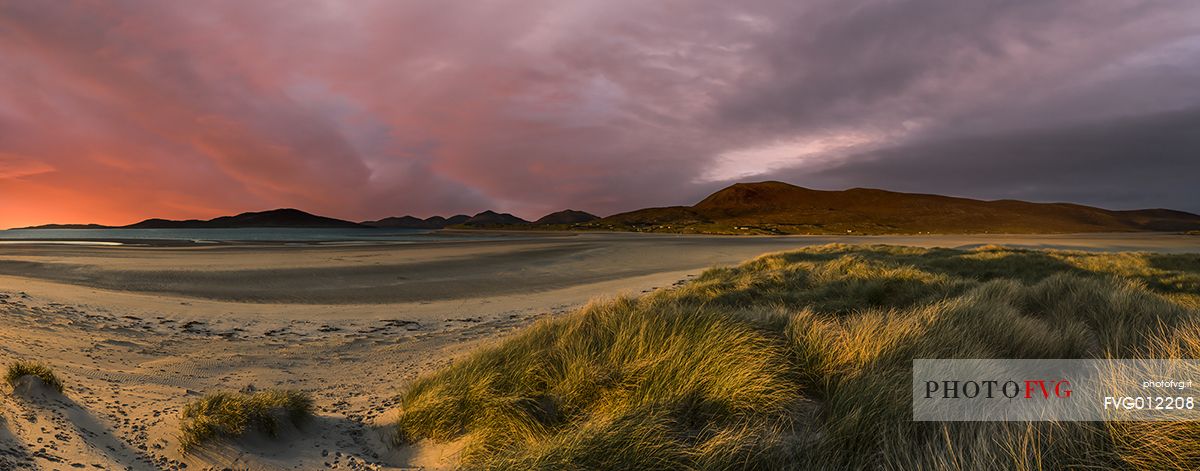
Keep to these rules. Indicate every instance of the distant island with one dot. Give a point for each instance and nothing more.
(758, 208)
(286, 217)
(295, 218)
(410, 222)
(486, 219)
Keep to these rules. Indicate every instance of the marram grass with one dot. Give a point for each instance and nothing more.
(802, 360)
(21, 369)
(233, 414)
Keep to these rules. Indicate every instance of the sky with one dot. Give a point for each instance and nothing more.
(116, 111)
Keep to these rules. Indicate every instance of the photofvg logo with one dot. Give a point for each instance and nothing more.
(995, 388)
(1058, 390)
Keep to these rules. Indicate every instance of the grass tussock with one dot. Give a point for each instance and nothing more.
(233, 414)
(21, 369)
(803, 360)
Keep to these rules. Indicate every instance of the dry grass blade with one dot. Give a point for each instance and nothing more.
(21, 369)
(229, 414)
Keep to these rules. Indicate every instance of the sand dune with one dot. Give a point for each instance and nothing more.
(137, 332)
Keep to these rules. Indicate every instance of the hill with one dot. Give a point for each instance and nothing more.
(274, 218)
(491, 218)
(781, 208)
(458, 219)
(486, 219)
(567, 216)
(67, 226)
(410, 222)
(403, 222)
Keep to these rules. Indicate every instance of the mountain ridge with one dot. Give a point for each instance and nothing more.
(283, 217)
(412, 222)
(769, 207)
(773, 207)
(566, 216)
(491, 218)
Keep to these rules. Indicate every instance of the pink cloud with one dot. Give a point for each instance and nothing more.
(16, 166)
(376, 108)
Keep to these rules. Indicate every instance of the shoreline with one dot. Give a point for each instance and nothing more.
(447, 235)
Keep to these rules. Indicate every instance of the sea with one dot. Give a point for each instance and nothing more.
(219, 236)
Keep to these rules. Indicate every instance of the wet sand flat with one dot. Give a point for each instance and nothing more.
(401, 273)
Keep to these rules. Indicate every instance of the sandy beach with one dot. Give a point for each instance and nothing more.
(138, 331)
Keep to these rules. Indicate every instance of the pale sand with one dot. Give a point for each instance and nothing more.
(136, 332)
